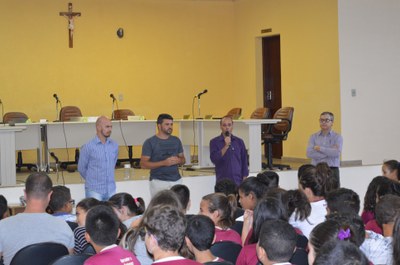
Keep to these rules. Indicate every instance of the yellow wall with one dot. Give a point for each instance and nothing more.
(308, 31)
(172, 49)
(170, 52)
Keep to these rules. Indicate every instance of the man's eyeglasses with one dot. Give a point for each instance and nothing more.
(72, 202)
(324, 120)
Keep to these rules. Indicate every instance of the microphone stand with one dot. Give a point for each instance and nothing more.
(112, 108)
(2, 111)
(198, 105)
(57, 102)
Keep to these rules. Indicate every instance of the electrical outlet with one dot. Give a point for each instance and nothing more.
(121, 97)
(353, 92)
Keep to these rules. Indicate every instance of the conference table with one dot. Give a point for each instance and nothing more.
(193, 133)
(200, 132)
(75, 134)
(7, 154)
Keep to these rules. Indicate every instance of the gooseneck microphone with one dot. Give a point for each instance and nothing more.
(56, 97)
(54, 156)
(113, 97)
(201, 93)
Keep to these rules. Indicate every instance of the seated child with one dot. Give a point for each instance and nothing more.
(378, 248)
(61, 205)
(343, 201)
(165, 232)
(102, 230)
(340, 252)
(199, 238)
(220, 209)
(79, 233)
(277, 242)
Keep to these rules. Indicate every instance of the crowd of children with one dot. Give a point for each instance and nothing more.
(319, 223)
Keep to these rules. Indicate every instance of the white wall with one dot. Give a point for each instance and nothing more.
(369, 50)
(355, 178)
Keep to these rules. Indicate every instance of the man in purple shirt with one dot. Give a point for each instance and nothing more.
(228, 153)
(326, 145)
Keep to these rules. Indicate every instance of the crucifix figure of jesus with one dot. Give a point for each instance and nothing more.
(70, 16)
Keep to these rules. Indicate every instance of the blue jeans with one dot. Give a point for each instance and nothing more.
(96, 195)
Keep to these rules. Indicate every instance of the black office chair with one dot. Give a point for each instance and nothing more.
(12, 118)
(66, 114)
(76, 259)
(226, 250)
(277, 133)
(39, 254)
(122, 114)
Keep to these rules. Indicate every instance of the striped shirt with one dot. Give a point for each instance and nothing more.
(97, 165)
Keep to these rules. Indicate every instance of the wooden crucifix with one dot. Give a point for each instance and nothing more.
(70, 16)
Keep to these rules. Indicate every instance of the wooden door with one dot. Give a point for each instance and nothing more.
(271, 58)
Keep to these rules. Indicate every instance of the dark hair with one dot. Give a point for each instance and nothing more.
(278, 239)
(340, 252)
(269, 178)
(253, 185)
(226, 186)
(162, 117)
(225, 205)
(331, 183)
(314, 180)
(163, 197)
(302, 169)
(393, 165)
(200, 230)
(102, 225)
(329, 231)
(343, 201)
(396, 240)
(87, 203)
(183, 193)
(352, 221)
(267, 209)
(226, 117)
(388, 186)
(135, 205)
(3, 206)
(330, 114)
(298, 203)
(293, 201)
(387, 208)
(60, 196)
(167, 224)
(370, 195)
(38, 185)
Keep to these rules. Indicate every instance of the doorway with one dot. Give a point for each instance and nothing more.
(271, 70)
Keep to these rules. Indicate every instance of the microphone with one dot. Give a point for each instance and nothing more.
(56, 97)
(201, 93)
(112, 96)
(54, 156)
(227, 134)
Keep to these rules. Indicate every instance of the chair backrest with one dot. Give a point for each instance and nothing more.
(15, 117)
(122, 114)
(260, 113)
(235, 113)
(76, 259)
(226, 250)
(283, 127)
(39, 254)
(67, 112)
(89, 249)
